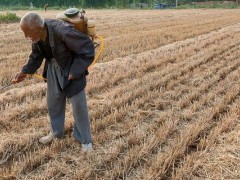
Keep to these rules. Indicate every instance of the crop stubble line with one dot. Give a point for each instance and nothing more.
(148, 65)
(16, 155)
(151, 68)
(131, 160)
(186, 167)
(201, 130)
(165, 163)
(21, 115)
(152, 96)
(18, 96)
(169, 38)
(138, 92)
(238, 64)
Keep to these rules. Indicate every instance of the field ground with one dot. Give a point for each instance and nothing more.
(164, 101)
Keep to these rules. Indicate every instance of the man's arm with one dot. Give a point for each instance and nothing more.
(34, 62)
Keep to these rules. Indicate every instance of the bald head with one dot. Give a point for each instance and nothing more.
(32, 24)
(32, 20)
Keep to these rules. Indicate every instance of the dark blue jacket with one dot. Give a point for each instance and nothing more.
(73, 51)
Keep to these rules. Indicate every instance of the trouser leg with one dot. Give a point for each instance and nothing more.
(56, 101)
(56, 111)
(81, 130)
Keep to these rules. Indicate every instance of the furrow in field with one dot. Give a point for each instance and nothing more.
(192, 162)
(189, 132)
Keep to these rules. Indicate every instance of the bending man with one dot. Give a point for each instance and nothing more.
(68, 54)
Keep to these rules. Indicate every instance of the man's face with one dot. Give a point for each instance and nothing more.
(33, 34)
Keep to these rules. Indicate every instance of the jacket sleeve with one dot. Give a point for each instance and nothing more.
(82, 48)
(34, 61)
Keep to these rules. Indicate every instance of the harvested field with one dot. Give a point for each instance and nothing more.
(164, 101)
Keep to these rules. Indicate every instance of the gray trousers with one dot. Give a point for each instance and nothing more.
(56, 102)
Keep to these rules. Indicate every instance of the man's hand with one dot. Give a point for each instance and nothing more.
(19, 77)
